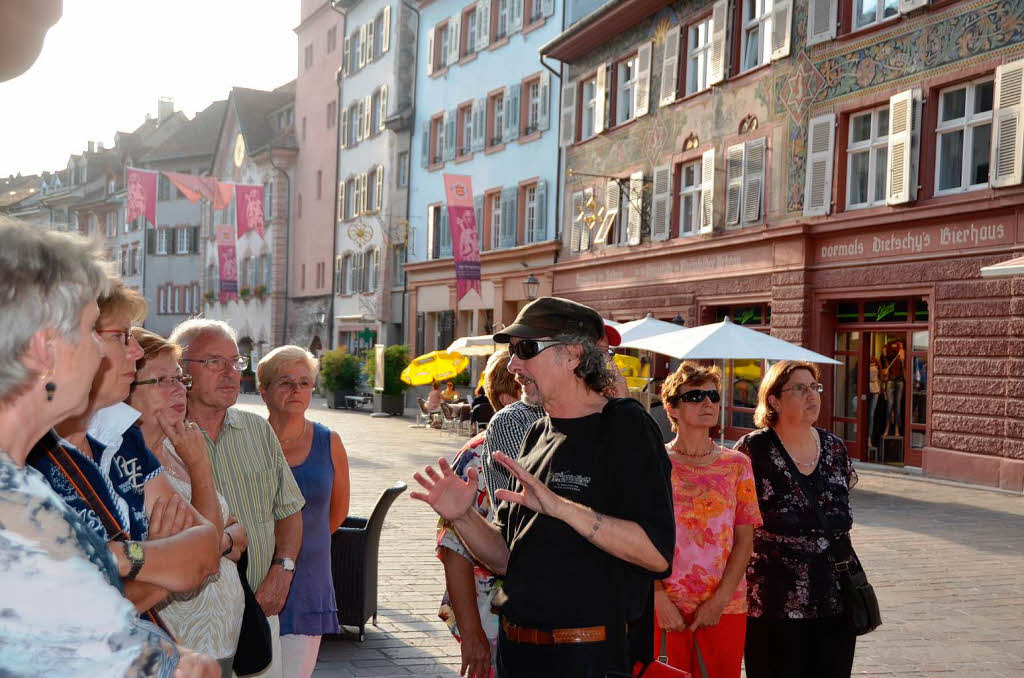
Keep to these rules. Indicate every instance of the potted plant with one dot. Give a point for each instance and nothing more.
(260, 292)
(244, 293)
(210, 296)
(339, 373)
(392, 399)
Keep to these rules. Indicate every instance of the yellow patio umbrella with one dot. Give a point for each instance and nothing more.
(628, 365)
(434, 366)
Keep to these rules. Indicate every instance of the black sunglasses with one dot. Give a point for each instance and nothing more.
(530, 348)
(697, 396)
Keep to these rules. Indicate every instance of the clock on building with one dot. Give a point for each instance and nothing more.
(239, 150)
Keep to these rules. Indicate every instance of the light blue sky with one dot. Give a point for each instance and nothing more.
(106, 62)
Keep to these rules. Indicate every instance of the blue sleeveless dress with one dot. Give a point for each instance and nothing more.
(311, 609)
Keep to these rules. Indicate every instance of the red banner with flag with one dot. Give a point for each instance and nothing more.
(141, 195)
(193, 188)
(228, 260)
(458, 190)
(249, 208)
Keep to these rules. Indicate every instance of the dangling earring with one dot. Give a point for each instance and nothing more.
(51, 388)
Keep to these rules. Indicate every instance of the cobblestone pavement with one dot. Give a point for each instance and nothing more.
(946, 561)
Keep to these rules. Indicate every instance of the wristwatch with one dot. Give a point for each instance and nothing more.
(136, 556)
(287, 563)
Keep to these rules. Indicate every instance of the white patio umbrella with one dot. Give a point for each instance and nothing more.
(473, 346)
(635, 332)
(728, 341)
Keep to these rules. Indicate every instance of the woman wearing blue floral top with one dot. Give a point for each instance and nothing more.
(471, 621)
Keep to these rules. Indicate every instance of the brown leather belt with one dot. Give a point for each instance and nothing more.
(521, 634)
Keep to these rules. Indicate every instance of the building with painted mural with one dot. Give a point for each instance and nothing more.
(835, 174)
(173, 264)
(316, 130)
(486, 106)
(255, 145)
(376, 88)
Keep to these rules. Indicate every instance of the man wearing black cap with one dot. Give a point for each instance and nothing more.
(588, 524)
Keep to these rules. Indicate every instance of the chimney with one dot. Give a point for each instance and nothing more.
(99, 146)
(164, 108)
(92, 146)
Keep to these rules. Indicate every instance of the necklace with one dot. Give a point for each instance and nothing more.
(812, 462)
(695, 455)
(289, 441)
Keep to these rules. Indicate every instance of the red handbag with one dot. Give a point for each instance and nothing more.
(659, 668)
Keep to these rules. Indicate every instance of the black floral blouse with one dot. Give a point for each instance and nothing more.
(790, 574)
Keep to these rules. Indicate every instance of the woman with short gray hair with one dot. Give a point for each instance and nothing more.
(49, 354)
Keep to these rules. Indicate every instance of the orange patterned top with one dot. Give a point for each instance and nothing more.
(709, 502)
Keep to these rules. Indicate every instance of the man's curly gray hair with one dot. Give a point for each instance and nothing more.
(592, 368)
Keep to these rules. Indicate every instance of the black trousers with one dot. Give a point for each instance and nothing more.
(798, 648)
(579, 660)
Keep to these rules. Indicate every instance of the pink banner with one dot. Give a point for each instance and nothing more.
(249, 208)
(465, 240)
(228, 263)
(141, 195)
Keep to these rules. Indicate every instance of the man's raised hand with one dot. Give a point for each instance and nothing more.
(446, 493)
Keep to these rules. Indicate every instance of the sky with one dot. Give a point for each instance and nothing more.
(105, 64)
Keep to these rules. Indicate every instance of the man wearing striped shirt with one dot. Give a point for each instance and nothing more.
(249, 467)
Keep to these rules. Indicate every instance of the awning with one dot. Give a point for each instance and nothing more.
(1004, 269)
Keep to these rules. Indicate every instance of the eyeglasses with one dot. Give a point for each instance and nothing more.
(530, 348)
(167, 382)
(237, 363)
(804, 389)
(697, 396)
(126, 334)
(290, 385)
(611, 352)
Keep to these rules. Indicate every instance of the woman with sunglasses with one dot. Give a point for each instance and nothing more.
(704, 600)
(795, 625)
(208, 619)
(319, 465)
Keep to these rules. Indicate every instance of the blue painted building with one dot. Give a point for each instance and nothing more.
(485, 107)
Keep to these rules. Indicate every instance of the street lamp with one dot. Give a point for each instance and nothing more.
(678, 320)
(530, 287)
(321, 318)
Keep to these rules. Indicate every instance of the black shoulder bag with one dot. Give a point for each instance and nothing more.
(859, 601)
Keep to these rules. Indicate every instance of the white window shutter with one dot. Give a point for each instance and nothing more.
(642, 91)
(454, 28)
(378, 191)
(430, 52)
(385, 40)
(782, 28)
(661, 203)
(362, 45)
(425, 144)
(544, 103)
(431, 235)
(670, 67)
(719, 30)
(907, 6)
(515, 16)
(611, 210)
(343, 132)
(341, 200)
(1007, 126)
(368, 118)
(820, 152)
(344, 56)
(483, 23)
(364, 194)
(383, 106)
(547, 7)
(449, 134)
(474, 115)
(600, 94)
(509, 207)
(576, 219)
(733, 184)
(540, 220)
(707, 191)
(904, 119)
(585, 233)
(512, 98)
(567, 121)
(822, 17)
(636, 202)
(753, 180)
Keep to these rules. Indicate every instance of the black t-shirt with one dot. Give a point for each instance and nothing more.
(614, 462)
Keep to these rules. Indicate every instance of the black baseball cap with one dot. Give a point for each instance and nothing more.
(550, 316)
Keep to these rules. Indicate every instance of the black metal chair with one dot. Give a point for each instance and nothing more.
(354, 549)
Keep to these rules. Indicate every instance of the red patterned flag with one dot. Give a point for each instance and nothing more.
(249, 208)
(465, 240)
(220, 193)
(190, 185)
(141, 195)
(228, 260)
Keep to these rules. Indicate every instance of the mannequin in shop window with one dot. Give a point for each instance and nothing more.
(874, 391)
(893, 356)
